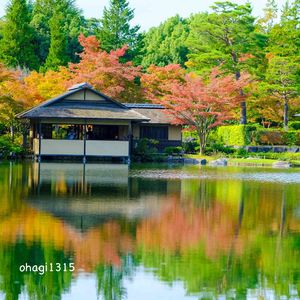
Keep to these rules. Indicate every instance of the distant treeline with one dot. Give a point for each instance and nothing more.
(42, 36)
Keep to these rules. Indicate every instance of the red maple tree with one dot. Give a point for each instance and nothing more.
(201, 104)
(104, 70)
(156, 80)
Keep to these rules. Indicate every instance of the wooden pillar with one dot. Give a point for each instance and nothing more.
(130, 141)
(83, 183)
(84, 142)
(40, 140)
(39, 178)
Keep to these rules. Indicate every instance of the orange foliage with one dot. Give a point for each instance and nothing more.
(102, 70)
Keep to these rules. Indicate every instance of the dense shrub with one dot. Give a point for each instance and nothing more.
(3, 128)
(190, 145)
(295, 125)
(235, 135)
(8, 148)
(241, 152)
(190, 142)
(173, 150)
(145, 149)
(215, 148)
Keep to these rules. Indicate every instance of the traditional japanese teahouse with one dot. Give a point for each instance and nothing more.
(86, 123)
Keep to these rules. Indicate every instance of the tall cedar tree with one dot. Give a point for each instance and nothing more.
(115, 30)
(225, 38)
(58, 44)
(72, 24)
(165, 44)
(17, 45)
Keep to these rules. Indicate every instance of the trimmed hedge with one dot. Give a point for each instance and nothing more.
(277, 137)
(236, 135)
(244, 135)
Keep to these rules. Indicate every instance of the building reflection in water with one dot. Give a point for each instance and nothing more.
(88, 194)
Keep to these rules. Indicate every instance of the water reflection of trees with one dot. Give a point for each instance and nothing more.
(224, 238)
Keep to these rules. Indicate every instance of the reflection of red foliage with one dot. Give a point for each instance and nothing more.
(103, 244)
(178, 228)
(181, 228)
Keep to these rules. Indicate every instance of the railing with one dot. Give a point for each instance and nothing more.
(76, 148)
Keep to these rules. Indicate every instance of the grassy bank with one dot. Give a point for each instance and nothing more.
(250, 161)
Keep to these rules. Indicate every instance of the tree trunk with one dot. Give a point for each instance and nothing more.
(202, 140)
(24, 140)
(243, 119)
(202, 149)
(286, 114)
(12, 132)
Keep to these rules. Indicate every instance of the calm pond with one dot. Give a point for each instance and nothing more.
(148, 232)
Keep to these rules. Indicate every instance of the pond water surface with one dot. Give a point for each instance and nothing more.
(154, 232)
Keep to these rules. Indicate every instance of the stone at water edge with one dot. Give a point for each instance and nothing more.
(191, 161)
(219, 162)
(195, 161)
(203, 162)
(281, 164)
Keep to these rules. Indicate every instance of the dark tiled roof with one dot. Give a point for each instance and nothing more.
(59, 107)
(156, 116)
(106, 113)
(80, 86)
(143, 105)
(47, 104)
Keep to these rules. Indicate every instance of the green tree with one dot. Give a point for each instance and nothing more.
(2, 22)
(283, 72)
(266, 23)
(165, 44)
(227, 38)
(58, 44)
(284, 37)
(72, 23)
(115, 30)
(17, 43)
(282, 82)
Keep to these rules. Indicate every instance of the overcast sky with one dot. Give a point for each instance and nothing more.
(150, 13)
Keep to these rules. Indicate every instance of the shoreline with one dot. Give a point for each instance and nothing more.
(248, 162)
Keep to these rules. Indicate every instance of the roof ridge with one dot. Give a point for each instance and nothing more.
(143, 105)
